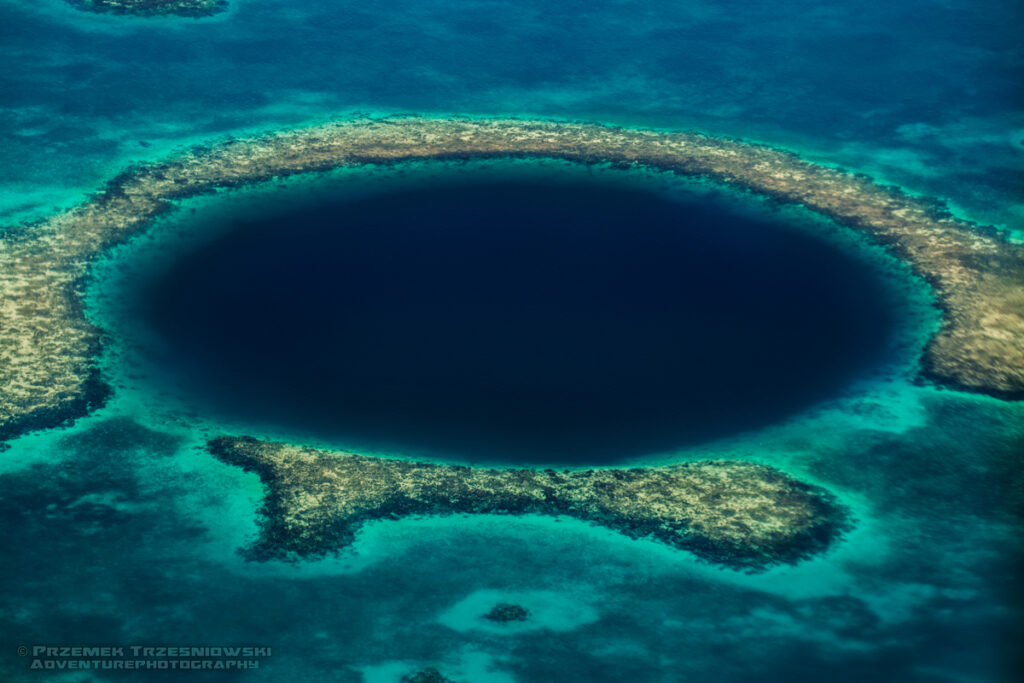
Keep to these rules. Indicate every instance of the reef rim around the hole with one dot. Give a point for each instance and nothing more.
(48, 349)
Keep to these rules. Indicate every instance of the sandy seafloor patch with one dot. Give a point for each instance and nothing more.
(121, 530)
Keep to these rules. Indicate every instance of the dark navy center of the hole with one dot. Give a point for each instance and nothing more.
(518, 323)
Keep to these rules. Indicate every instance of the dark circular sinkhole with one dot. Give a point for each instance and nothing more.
(517, 322)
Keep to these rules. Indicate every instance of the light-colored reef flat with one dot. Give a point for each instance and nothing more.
(47, 348)
(735, 513)
(153, 8)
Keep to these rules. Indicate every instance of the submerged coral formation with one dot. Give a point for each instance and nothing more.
(740, 514)
(47, 347)
(152, 8)
(506, 612)
(428, 675)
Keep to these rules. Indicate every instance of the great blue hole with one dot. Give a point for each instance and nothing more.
(518, 322)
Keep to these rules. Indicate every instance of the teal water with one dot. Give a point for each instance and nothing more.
(121, 530)
(920, 93)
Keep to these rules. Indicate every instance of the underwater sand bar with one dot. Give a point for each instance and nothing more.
(152, 8)
(47, 348)
(740, 514)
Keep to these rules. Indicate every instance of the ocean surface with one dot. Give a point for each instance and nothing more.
(122, 530)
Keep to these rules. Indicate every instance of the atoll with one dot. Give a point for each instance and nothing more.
(734, 513)
(153, 8)
(48, 348)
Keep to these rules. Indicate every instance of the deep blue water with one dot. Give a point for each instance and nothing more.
(518, 322)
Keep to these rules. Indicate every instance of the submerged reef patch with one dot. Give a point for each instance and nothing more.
(739, 514)
(153, 8)
(505, 612)
(48, 348)
(428, 675)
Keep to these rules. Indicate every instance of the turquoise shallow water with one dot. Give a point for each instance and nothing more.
(922, 94)
(122, 530)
